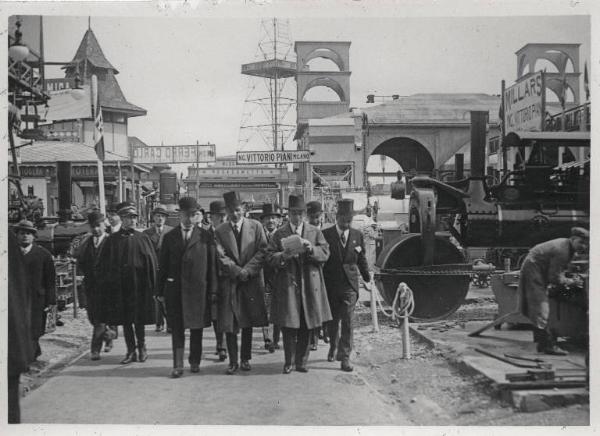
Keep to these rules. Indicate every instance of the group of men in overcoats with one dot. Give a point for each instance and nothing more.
(236, 274)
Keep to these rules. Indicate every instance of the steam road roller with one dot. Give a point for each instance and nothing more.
(541, 198)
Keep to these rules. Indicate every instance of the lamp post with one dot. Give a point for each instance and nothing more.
(18, 51)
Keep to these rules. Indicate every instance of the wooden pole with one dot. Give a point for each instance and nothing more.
(405, 337)
(95, 108)
(374, 319)
(120, 182)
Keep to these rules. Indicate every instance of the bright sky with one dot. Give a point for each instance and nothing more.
(186, 71)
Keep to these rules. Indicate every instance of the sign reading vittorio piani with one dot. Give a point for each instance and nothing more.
(524, 104)
(272, 157)
(171, 154)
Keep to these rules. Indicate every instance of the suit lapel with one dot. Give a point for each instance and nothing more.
(247, 238)
(230, 242)
(348, 243)
(194, 238)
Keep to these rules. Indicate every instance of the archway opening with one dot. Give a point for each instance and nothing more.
(322, 64)
(321, 93)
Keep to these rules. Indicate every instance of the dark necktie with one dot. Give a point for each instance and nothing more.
(343, 239)
(238, 239)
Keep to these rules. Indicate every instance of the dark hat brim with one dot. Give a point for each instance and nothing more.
(277, 214)
(17, 227)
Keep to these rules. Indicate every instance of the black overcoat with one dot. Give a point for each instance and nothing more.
(41, 277)
(87, 261)
(188, 276)
(127, 273)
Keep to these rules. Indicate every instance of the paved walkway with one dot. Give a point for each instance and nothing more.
(105, 392)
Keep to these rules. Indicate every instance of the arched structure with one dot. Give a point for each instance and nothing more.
(411, 155)
(565, 57)
(339, 81)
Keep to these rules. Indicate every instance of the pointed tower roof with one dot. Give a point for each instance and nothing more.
(90, 49)
(111, 97)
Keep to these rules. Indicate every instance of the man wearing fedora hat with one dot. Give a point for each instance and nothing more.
(216, 217)
(270, 219)
(187, 283)
(87, 256)
(298, 251)
(156, 232)
(544, 265)
(127, 270)
(41, 276)
(241, 299)
(342, 271)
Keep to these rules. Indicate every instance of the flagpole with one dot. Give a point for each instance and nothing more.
(95, 108)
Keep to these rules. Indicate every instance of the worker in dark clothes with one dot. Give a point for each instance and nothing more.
(87, 256)
(187, 283)
(20, 350)
(217, 217)
(127, 271)
(41, 276)
(156, 233)
(543, 267)
(298, 251)
(270, 219)
(342, 270)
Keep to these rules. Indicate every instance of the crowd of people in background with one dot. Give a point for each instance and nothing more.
(285, 275)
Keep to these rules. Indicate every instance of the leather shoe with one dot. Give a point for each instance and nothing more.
(287, 369)
(330, 355)
(553, 350)
(108, 346)
(194, 367)
(222, 355)
(271, 348)
(95, 355)
(158, 328)
(267, 344)
(233, 368)
(143, 355)
(313, 347)
(130, 357)
(245, 366)
(301, 368)
(176, 373)
(346, 366)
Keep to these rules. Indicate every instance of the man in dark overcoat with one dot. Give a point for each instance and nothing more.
(156, 232)
(87, 256)
(300, 299)
(127, 271)
(542, 267)
(187, 282)
(20, 349)
(41, 277)
(342, 270)
(241, 302)
(217, 217)
(270, 219)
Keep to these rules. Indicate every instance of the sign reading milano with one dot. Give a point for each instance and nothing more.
(524, 104)
(271, 157)
(172, 154)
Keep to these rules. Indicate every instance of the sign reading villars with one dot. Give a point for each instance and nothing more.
(524, 104)
(271, 157)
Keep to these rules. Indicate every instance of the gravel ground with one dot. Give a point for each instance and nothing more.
(433, 392)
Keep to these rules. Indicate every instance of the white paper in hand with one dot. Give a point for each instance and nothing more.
(293, 244)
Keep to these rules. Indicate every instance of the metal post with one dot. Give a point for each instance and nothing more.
(120, 183)
(405, 336)
(374, 319)
(75, 296)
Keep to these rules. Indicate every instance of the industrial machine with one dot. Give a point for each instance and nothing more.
(540, 199)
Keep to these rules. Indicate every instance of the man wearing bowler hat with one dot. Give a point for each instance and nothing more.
(127, 271)
(270, 219)
(297, 251)
(187, 282)
(241, 300)
(544, 266)
(41, 277)
(342, 271)
(217, 215)
(156, 234)
(88, 255)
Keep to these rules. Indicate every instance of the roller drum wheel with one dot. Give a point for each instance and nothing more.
(436, 296)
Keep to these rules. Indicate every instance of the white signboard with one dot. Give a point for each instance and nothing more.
(172, 154)
(524, 104)
(271, 157)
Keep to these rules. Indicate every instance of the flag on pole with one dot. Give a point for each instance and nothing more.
(99, 127)
(586, 82)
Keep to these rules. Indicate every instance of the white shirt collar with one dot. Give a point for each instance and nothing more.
(238, 225)
(340, 231)
(115, 228)
(100, 238)
(297, 229)
(26, 250)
